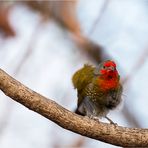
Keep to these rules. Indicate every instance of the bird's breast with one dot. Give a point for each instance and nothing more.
(106, 85)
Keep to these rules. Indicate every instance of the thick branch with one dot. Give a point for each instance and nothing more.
(112, 134)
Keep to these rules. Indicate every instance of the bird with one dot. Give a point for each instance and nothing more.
(98, 89)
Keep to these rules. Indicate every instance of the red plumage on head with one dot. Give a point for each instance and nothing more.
(110, 63)
(109, 78)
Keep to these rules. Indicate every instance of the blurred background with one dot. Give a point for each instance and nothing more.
(43, 43)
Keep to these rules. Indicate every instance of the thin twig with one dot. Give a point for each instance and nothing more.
(131, 118)
(142, 59)
(99, 17)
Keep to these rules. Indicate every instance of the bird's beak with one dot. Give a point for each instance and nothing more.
(111, 68)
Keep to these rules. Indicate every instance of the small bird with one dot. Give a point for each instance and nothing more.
(98, 89)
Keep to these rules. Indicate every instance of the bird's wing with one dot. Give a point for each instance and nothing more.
(83, 77)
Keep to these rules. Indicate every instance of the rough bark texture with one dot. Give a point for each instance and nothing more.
(116, 135)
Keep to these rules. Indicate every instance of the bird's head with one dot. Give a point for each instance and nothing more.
(108, 70)
(107, 74)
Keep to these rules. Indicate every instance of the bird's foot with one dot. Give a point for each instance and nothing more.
(92, 117)
(111, 122)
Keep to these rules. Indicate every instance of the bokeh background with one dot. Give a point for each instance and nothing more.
(43, 43)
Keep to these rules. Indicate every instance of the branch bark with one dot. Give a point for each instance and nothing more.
(116, 135)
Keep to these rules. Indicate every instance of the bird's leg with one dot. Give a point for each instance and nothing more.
(111, 122)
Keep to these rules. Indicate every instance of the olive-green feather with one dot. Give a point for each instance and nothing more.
(83, 77)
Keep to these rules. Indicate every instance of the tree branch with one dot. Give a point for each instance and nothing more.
(116, 135)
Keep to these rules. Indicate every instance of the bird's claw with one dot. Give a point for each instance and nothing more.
(92, 117)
